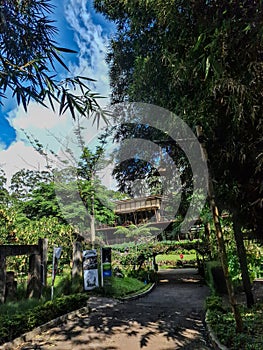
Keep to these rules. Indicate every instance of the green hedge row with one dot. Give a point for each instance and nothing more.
(12, 326)
(214, 277)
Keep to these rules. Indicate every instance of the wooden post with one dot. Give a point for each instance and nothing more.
(11, 285)
(43, 249)
(34, 276)
(77, 266)
(92, 214)
(219, 236)
(2, 278)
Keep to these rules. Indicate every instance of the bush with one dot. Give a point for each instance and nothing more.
(143, 275)
(214, 303)
(214, 277)
(15, 324)
(222, 322)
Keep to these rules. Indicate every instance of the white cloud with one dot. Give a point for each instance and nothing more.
(92, 46)
(19, 156)
(40, 122)
(43, 123)
(2, 146)
(36, 117)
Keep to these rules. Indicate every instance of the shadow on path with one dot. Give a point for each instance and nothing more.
(171, 317)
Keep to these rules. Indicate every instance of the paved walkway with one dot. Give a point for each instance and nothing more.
(169, 318)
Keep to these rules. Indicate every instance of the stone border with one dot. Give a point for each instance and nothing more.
(26, 337)
(139, 295)
(213, 338)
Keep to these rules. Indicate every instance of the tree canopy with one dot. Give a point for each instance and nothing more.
(203, 61)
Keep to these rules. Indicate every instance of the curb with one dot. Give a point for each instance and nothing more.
(26, 337)
(213, 338)
(139, 295)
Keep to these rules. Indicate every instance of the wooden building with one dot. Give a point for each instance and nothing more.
(138, 210)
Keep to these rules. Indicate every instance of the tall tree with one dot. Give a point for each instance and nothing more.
(4, 194)
(202, 60)
(75, 193)
(88, 167)
(24, 181)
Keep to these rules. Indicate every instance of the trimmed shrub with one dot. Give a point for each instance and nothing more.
(214, 277)
(16, 324)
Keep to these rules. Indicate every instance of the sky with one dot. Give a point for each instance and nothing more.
(81, 29)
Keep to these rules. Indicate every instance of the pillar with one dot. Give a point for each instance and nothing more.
(77, 267)
(34, 277)
(43, 249)
(2, 279)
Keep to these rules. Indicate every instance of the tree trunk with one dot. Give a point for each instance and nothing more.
(208, 237)
(220, 239)
(92, 214)
(2, 278)
(224, 262)
(34, 277)
(241, 252)
(76, 273)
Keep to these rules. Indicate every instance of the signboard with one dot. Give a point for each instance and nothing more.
(56, 256)
(106, 270)
(90, 269)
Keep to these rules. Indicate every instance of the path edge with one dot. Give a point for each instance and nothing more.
(42, 328)
(55, 322)
(212, 336)
(139, 294)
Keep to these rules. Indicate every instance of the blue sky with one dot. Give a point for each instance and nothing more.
(81, 29)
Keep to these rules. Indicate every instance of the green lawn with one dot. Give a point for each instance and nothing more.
(174, 257)
(121, 287)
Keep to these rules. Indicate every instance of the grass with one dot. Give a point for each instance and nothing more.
(223, 324)
(16, 316)
(15, 322)
(166, 261)
(13, 307)
(116, 288)
(174, 257)
(121, 287)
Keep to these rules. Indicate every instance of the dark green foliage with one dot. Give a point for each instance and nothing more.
(136, 259)
(4, 195)
(13, 325)
(203, 61)
(146, 276)
(42, 202)
(163, 247)
(214, 277)
(214, 303)
(222, 322)
(25, 181)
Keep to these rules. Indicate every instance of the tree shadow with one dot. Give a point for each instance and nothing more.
(152, 322)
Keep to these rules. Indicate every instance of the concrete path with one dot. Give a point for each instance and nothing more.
(169, 318)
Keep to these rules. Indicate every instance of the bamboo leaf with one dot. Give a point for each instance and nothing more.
(64, 49)
(207, 67)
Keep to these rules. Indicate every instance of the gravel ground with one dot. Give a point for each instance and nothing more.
(169, 318)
